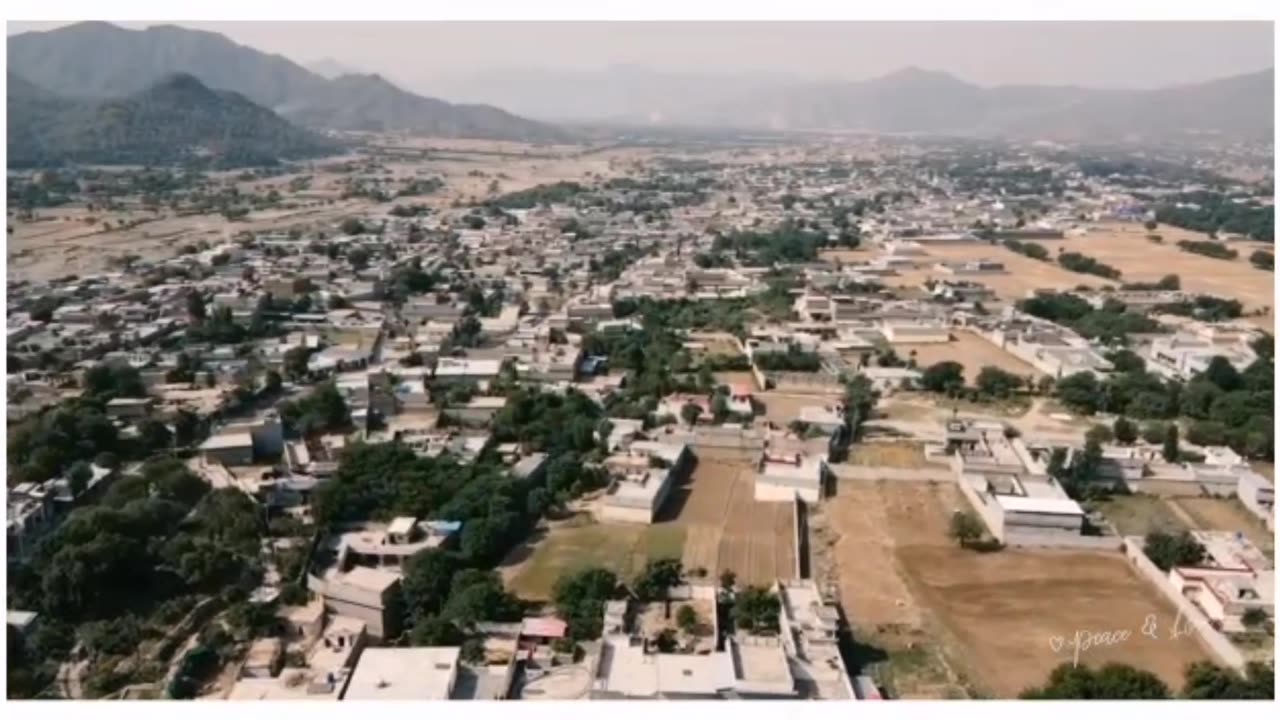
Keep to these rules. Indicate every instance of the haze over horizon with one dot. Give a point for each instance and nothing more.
(422, 55)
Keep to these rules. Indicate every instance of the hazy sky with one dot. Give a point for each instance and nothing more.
(1098, 54)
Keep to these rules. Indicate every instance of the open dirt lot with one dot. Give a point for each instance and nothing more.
(1006, 608)
(1127, 248)
(957, 622)
(1226, 514)
(1023, 274)
(781, 408)
(907, 455)
(726, 529)
(969, 350)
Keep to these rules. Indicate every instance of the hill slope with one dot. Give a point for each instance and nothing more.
(175, 119)
(100, 60)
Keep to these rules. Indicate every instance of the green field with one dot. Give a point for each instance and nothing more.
(1139, 514)
(623, 549)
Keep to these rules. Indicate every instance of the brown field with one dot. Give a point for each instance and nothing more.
(969, 350)
(1023, 274)
(906, 455)
(717, 344)
(1127, 248)
(1005, 608)
(1124, 246)
(782, 408)
(1226, 514)
(960, 622)
(727, 529)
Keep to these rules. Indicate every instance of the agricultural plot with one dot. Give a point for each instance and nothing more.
(725, 528)
(956, 621)
(969, 350)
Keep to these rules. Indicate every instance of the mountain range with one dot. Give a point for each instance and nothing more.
(96, 61)
(909, 100)
(101, 60)
(175, 119)
(924, 101)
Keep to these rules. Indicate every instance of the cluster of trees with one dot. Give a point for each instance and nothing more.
(1210, 212)
(444, 598)
(580, 598)
(221, 328)
(78, 431)
(548, 194)
(1208, 248)
(614, 261)
(1204, 307)
(1080, 263)
(1167, 551)
(158, 541)
(323, 410)
(1222, 404)
(788, 243)
(1111, 323)
(1033, 250)
(755, 609)
(792, 360)
(1115, 681)
(1263, 260)
(992, 382)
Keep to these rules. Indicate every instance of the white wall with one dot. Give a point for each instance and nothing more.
(617, 513)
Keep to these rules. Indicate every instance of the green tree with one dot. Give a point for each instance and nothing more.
(1125, 431)
(579, 599)
(426, 580)
(964, 528)
(1112, 681)
(1167, 551)
(687, 619)
(690, 413)
(997, 383)
(1169, 447)
(943, 377)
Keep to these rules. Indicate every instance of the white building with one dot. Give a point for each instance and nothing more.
(412, 673)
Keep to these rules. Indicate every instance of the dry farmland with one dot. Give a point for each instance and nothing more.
(969, 350)
(1123, 246)
(961, 622)
(710, 521)
(725, 527)
(1023, 274)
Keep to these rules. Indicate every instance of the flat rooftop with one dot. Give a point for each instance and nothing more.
(415, 673)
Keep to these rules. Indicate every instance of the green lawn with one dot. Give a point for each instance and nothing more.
(1138, 514)
(624, 549)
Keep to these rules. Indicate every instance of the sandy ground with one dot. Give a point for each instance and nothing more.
(983, 621)
(726, 529)
(782, 408)
(969, 350)
(906, 455)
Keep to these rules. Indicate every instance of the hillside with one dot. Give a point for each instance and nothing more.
(176, 119)
(100, 60)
